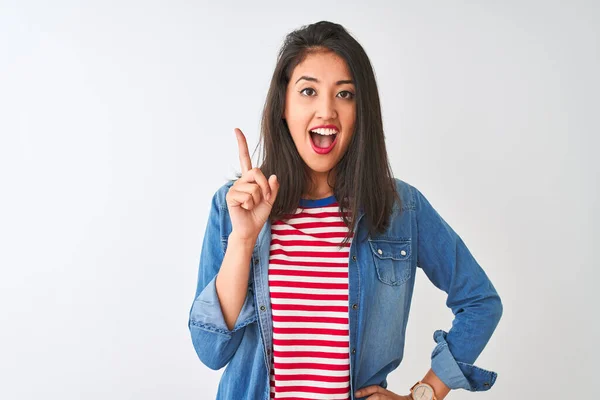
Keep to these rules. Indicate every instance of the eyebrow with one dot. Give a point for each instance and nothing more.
(310, 78)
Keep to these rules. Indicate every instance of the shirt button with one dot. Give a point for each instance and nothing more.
(379, 251)
(403, 252)
(268, 351)
(354, 306)
(353, 351)
(256, 261)
(486, 384)
(354, 258)
(263, 308)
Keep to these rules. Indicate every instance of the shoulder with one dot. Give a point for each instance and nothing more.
(407, 193)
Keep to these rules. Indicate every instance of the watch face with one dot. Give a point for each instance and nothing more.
(422, 392)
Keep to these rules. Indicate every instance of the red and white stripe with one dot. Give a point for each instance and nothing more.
(308, 285)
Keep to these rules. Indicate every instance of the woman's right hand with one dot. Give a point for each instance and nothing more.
(251, 197)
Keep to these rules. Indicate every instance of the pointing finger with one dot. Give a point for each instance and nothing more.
(245, 160)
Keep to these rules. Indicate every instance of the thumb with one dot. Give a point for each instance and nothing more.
(274, 185)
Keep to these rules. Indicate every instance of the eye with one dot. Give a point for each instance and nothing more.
(348, 95)
(305, 89)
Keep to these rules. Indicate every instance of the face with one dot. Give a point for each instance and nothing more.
(320, 97)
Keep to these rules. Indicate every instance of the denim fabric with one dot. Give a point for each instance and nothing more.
(381, 277)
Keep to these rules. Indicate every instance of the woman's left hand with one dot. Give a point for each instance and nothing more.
(379, 393)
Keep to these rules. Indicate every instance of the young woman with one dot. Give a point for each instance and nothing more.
(306, 277)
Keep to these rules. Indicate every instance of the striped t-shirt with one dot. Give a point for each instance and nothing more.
(308, 285)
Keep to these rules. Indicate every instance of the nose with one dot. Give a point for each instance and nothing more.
(326, 108)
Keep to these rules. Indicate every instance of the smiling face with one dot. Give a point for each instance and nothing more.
(321, 93)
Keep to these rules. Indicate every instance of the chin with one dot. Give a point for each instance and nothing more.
(320, 168)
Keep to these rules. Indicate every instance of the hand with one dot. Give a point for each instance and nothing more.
(251, 197)
(379, 393)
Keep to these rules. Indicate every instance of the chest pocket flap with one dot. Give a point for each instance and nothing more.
(392, 260)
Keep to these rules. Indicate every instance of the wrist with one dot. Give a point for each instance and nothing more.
(440, 390)
(423, 390)
(237, 240)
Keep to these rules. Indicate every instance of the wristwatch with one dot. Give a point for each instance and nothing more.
(422, 391)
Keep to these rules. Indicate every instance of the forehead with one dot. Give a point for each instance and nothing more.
(326, 66)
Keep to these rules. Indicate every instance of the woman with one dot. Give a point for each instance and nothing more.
(306, 278)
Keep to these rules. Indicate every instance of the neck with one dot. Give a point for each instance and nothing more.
(317, 196)
(319, 188)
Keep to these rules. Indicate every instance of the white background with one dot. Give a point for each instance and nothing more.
(116, 123)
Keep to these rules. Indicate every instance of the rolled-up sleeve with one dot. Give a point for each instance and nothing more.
(213, 341)
(474, 301)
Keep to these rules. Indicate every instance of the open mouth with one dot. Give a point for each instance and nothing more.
(323, 140)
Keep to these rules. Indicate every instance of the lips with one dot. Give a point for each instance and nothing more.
(323, 138)
(329, 126)
(322, 150)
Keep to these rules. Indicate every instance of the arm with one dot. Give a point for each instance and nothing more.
(476, 306)
(439, 388)
(222, 305)
(232, 280)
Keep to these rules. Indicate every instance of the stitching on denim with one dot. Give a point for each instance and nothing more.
(406, 242)
(485, 371)
(411, 205)
(210, 328)
(245, 323)
(415, 219)
(389, 238)
(223, 331)
(355, 325)
(475, 386)
(406, 272)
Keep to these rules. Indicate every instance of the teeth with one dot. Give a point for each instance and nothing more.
(326, 132)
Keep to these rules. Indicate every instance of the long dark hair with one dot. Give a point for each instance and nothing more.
(363, 177)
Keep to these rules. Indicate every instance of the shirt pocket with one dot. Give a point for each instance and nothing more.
(392, 260)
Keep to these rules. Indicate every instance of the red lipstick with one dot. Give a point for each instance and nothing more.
(326, 127)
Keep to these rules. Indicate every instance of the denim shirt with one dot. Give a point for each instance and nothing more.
(381, 279)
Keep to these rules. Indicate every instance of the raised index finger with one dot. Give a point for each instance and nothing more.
(245, 160)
